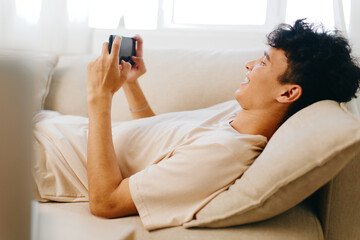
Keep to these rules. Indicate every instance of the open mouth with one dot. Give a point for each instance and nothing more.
(246, 81)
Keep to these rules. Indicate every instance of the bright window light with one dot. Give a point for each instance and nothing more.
(141, 14)
(77, 10)
(220, 12)
(347, 12)
(138, 14)
(29, 10)
(105, 14)
(314, 10)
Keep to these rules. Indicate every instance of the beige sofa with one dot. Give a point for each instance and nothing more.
(177, 80)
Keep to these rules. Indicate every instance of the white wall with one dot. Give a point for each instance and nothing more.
(354, 35)
(354, 32)
(181, 38)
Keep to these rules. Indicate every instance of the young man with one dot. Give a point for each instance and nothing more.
(167, 167)
(303, 64)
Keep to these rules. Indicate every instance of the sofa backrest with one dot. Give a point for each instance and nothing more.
(176, 80)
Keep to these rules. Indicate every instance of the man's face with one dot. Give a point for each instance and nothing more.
(261, 86)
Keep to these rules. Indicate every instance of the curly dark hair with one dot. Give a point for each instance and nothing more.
(319, 61)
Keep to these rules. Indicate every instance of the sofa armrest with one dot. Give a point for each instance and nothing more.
(15, 151)
(338, 203)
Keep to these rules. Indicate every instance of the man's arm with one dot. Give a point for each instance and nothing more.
(109, 194)
(138, 104)
(135, 97)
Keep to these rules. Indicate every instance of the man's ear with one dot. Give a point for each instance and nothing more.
(290, 93)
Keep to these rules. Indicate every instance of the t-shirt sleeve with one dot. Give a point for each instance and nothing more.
(171, 192)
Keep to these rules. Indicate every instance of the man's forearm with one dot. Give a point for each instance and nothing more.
(103, 170)
(137, 101)
(109, 194)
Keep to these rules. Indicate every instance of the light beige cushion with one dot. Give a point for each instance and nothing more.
(306, 152)
(176, 80)
(77, 222)
(38, 68)
(67, 93)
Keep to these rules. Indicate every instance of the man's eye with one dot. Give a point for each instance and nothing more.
(262, 63)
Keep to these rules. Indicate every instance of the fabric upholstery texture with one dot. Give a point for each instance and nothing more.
(340, 213)
(67, 93)
(306, 152)
(15, 152)
(176, 80)
(299, 223)
(39, 68)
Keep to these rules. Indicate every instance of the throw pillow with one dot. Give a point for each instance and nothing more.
(306, 152)
(36, 68)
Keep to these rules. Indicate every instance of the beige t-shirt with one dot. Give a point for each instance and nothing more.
(177, 162)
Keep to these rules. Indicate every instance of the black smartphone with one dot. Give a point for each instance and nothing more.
(127, 48)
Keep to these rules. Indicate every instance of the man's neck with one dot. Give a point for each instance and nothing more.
(258, 122)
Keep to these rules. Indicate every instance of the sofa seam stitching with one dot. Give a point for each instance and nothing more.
(48, 82)
(328, 207)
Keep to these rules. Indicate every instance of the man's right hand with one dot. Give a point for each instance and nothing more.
(138, 104)
(138, 69)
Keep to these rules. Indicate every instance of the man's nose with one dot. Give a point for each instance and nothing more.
(250, 65)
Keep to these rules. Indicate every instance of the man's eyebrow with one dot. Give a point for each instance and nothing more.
(267, 55)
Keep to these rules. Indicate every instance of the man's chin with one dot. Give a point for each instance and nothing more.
(237, 93)
(238, 98)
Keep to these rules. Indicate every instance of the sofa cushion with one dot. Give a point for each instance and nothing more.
(39, 68)
(68, 88)
(307, 151)
(74, 221)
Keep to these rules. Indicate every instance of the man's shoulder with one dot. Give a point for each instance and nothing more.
(232, 141)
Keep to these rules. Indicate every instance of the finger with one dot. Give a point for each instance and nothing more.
(115, 48)
(89, 66)
(105, 49)
(138, 62)
(125, 67)
(139, 46)
(136, 59)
